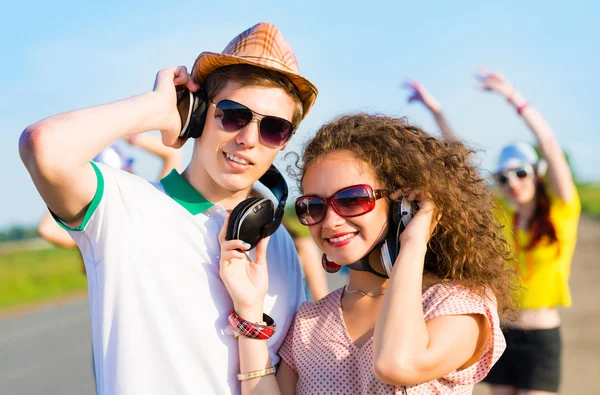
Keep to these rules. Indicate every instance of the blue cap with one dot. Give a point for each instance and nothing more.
(516, 155)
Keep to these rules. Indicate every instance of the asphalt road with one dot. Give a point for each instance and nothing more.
(48, 350)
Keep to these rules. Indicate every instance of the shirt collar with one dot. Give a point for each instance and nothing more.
(183, 193)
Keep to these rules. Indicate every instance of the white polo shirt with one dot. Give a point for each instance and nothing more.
(158, 306)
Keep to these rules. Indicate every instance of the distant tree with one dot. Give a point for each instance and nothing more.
(18, 232)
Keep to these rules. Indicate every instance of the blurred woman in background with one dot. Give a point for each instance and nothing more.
(540, 215)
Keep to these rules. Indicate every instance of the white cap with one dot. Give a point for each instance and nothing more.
(112, 156)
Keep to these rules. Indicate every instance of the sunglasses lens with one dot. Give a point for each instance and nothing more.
(521, 173)
(275, 131)
(310, 210)
(354, 201)
(231, 116)
(502, 179)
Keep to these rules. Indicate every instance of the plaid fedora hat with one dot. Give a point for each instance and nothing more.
(261, 45)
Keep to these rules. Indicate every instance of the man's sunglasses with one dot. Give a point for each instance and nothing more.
(521, 173)
(231, 116)
(347, 202)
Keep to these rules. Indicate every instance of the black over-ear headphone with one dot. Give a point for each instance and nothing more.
(254, 218)
(192, 107)
(400, 214)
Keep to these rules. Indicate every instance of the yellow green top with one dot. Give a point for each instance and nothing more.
(545, 268)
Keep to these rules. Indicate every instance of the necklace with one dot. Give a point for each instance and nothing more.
(361, 292)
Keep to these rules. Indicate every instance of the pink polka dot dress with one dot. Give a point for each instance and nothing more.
(319, 348)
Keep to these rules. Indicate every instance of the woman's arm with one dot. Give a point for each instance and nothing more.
(247, 283)
(310, 259)
(171, 157)
(420, 94)
(558, 168)
(254, 355)
(407, 350)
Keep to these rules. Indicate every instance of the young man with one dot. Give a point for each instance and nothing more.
(159, 309)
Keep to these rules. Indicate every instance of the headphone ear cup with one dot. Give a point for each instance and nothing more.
(406, 211)
(198, 116)
(192, 107)
(235, 217)
(248, 220)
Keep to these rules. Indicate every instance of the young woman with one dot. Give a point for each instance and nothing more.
(432, 327)
(540, 221)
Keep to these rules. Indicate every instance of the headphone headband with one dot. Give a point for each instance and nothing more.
(274, 180)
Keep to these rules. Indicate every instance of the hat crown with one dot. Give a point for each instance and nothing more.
(263, 42)
(261, 45)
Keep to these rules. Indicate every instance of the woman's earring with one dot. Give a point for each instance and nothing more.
(329, 266)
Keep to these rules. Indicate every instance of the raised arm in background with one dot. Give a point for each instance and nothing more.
(558, 168)
(420, 94)
(171, 157)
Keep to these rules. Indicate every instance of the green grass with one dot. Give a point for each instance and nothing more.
(39, 275)
(590, 198)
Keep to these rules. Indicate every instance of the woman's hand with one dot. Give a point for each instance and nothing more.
(246, 281)
(420, 94)
(494, 82)
(421, 226)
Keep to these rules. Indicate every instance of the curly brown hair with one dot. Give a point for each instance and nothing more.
(468, 244)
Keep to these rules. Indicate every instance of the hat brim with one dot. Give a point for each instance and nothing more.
(208, 62)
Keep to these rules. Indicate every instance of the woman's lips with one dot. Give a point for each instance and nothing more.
(341, 240)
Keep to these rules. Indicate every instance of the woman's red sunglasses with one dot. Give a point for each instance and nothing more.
(347, 202)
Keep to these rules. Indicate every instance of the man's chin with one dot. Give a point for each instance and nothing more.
(236, 182)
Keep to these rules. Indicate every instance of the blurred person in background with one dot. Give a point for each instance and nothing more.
(112, 156)
(540, 214)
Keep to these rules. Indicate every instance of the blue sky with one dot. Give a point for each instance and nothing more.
(62, 55)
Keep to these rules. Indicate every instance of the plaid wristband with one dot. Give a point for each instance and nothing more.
(251, 329)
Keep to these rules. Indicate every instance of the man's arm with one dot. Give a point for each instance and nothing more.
(57, 150)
